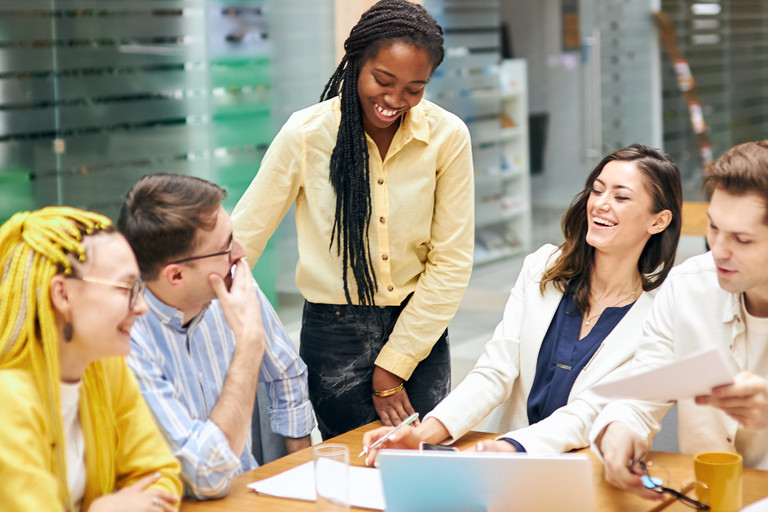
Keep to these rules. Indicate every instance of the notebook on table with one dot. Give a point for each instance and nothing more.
(479, 482)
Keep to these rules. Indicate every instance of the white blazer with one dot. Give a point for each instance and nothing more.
(503, 376)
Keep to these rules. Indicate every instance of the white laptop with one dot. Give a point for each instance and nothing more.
(437, 481)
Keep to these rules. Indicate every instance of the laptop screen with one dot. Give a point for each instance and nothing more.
(473, 482)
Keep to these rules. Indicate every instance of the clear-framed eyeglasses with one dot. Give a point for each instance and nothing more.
(135, 289)
(693, 494)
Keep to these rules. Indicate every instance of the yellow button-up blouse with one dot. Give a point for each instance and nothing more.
(421, 233)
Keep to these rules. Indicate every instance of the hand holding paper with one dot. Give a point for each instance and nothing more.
(692, 376)
(746, 400)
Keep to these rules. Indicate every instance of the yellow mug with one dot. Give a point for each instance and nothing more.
(721, 472)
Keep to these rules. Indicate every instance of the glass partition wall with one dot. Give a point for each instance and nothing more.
(95, 94)
(725, 46)
(98, 93)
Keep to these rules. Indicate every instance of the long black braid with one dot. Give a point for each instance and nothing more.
(386, 22)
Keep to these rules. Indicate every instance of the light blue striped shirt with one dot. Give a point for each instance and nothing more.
(182, 371)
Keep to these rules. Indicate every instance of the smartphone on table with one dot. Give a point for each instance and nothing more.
(423, 447)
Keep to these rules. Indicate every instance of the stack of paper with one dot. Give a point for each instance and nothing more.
(299, 483)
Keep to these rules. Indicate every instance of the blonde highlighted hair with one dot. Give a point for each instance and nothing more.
(34, 247)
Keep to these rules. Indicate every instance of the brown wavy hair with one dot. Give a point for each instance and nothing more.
(573, 268)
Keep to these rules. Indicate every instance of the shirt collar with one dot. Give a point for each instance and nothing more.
(415, 123)
(732, 311)
(170, 316)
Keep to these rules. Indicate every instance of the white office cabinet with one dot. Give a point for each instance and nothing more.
(491, 97)
(503, 205)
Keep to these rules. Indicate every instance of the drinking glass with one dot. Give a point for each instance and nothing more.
(331, 463)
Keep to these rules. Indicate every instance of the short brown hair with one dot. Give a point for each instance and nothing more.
(742, 170)
(162, 213)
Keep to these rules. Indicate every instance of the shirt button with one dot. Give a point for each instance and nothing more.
(382, 220)
(390, 288)
(380, 181)
(730, 440)
(385, 257)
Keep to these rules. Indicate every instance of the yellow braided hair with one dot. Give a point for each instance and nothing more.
(34, 247)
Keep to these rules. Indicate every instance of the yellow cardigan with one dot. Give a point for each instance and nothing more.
(28, 477)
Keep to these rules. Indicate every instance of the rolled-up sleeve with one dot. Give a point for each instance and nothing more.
(285, 375)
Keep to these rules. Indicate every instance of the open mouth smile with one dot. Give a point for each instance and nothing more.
(385, 113)
(603, 222)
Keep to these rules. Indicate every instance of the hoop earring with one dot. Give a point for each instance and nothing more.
(67, 332)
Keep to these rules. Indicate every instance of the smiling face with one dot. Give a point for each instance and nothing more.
(99, 313)
(390, 83)
(619, 210)
(738, 237)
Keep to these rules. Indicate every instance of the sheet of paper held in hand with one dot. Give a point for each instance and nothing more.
(299, 483)
(692, 376)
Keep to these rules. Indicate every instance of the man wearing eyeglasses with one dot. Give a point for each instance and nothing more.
(718, 299)
(210, 336)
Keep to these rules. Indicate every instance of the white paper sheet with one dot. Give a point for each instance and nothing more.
(758, 506)
(299, 483)
(692, 376)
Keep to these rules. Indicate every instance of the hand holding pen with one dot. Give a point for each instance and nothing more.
(388, 436)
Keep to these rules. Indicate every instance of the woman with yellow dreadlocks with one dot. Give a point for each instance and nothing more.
(75, 433)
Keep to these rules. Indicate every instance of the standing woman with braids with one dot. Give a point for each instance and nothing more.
(76, 433)
(383, 185)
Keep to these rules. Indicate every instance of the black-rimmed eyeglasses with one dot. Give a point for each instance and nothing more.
(136, 289)
(220, 253)
(657, 484)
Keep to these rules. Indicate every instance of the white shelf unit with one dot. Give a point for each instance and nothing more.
(490, 95)
(496, 113)
(502, 191)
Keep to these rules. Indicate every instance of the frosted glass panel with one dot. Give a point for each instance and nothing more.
(621, 66)
(727, 51)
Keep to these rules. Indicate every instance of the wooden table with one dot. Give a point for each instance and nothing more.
(607, 498)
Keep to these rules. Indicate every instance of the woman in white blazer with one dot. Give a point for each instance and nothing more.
(573, 318)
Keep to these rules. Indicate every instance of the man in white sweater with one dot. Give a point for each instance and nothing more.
(718, 299)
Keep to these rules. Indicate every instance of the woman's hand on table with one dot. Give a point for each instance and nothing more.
(137, 498)
(406, 438)
(493, 445)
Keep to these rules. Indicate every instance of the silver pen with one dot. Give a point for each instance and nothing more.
(410, 419)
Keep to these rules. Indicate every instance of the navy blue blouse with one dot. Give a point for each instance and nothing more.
(563, 355)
